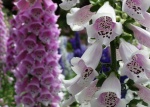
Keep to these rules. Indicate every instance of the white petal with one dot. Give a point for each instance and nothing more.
(68, 102)
(141, 35)
(66, 5)
(111, 84)
(86, 104)
(130, 11)
(126, 50)
(144, 93)
(145, 4)
(92, 55)
(121, 103)
(145, 22)
(118, 29)
(106, 8)
(95, 103)
(70, 82)
(92, 34)
(78, 65)
(87, 93)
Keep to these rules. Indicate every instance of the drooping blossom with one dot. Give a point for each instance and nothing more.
(109, 94)
(141, 35)
(68, 4)
(84, 67)
(136, 62)
(104, 27)
(137, 9)
(79, 18)
(34, 45)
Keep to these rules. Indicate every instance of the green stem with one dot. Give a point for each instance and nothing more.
(113, 56)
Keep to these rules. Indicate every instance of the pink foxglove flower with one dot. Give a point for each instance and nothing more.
(33, 44)
(84, 67)
(68, 4)
(141, 35)
(87, 94)
(136, 8)
(136, 62)
(78, 18)
(109, 95)
(104, 27)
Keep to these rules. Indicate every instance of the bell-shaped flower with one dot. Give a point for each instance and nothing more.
(109, 95)
(45, 96)
(87, 94)
(79, 18)
(30, 43)
(36, 10)
(47, 80)
(25, 18)
(45, 36)
(136, 62)
(104, 27)
(141, 35)
(22, 5)
(28, 100)
(35, 27)
(84, 67)
(143, 93)
(33, 87)
(68, 4)
(136, 8)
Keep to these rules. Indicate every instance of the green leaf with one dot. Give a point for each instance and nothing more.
(130, 84)
(95, 8)
(134, 102)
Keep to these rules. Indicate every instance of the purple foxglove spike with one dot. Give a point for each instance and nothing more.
(36, 10)
(50, 9)
(104, 28)
(79, 18)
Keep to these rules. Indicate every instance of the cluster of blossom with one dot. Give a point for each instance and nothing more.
(33, 54)
(102, 28)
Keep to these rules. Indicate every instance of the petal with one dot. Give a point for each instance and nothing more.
(87, 93)
(92, 55)
(78, 65)
(111, 84)
(143, 92)
(66, 5)
(95, 103)
(68, 102)
(133, 9)
(106, 8)
(145, 22)
(121, 103)
(141, 35)
(70, 82)
(79, 17)
(126, 50)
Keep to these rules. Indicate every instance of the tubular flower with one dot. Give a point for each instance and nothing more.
(84, 67)
(68, 4)
(136, 62)
(136, 8)
(104, 27)
(109, 95)
(34, 45)
(78, 18)
(141, 35)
